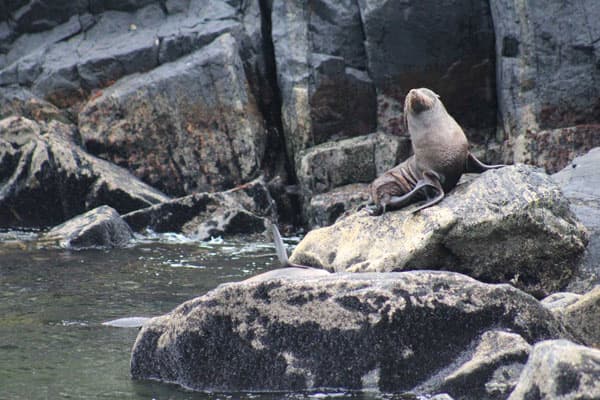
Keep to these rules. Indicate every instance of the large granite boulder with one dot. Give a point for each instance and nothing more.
(294, 329)
(507, 225)
(242, 210)
(547, 68)
(101, 227)
(580, 182)
(185, 126)
(45, 178)
(559, 369)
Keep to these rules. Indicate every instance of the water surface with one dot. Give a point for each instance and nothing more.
(53, 302)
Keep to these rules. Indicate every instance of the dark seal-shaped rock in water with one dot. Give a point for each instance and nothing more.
(100, 227)
(511, 224)
(294, 329)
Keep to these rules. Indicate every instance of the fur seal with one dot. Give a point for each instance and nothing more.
(441, 156)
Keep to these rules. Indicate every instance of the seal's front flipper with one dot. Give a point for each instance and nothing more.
(394, 202)
(474, 165)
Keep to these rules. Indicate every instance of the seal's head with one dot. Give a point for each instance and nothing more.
(419, 100)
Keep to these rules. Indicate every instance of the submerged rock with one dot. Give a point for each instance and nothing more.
(511, 224)
(242, 210)
(45, 178)
(294, 329)
(97, 228)
(559, 369)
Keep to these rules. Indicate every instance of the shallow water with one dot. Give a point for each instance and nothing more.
(53, 302)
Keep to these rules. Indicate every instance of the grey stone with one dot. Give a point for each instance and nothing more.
(507, 225)
(324, 209)
(18, 101)
(296, 329)
(558, 301)
(191, 125)
(325, 92)
(581, 315)
(580, 182)
(356, 160)
(562, 370)
(547, 69)
(46, 178)
(491, 370)
(101, 227)
(241, 210)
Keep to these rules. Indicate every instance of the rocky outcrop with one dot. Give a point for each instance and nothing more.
(579, 313)
(296, 329)
(330, 174)
(580, 182)
(507, 225)
(242, 210)
(46, 178)
(326, 92)
(101, 227)
(559, 369)
(191, 125)
(547, 68)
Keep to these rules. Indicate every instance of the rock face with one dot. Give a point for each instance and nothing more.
(321, 71)
(547, 66)
(185, 126)
(204, 215)
(47, 179)
(295, 329)
(580, 182)
(511, 224)
(98, 228)
(431, 44)
(559, 369)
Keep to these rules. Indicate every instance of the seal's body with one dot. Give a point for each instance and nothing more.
(441, 156)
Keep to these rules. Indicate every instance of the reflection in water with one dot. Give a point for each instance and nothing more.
(53, 303)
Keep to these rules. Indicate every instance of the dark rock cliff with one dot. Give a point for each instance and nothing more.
(198, 95)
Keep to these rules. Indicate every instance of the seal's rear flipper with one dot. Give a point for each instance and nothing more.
(279, 246)
(474, 165)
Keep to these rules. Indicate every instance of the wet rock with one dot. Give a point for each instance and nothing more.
(559, 369)
(101, 227)
(187, 126)
(242, 210)
(580, 182)
(295, 329)
(46, 178)
(321, 71)
(491, 369)
(324, 209)
(580, 314)
(511, 224)
(547, 64)
(430, 44)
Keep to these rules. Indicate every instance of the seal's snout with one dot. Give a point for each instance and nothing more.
(418, 100)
